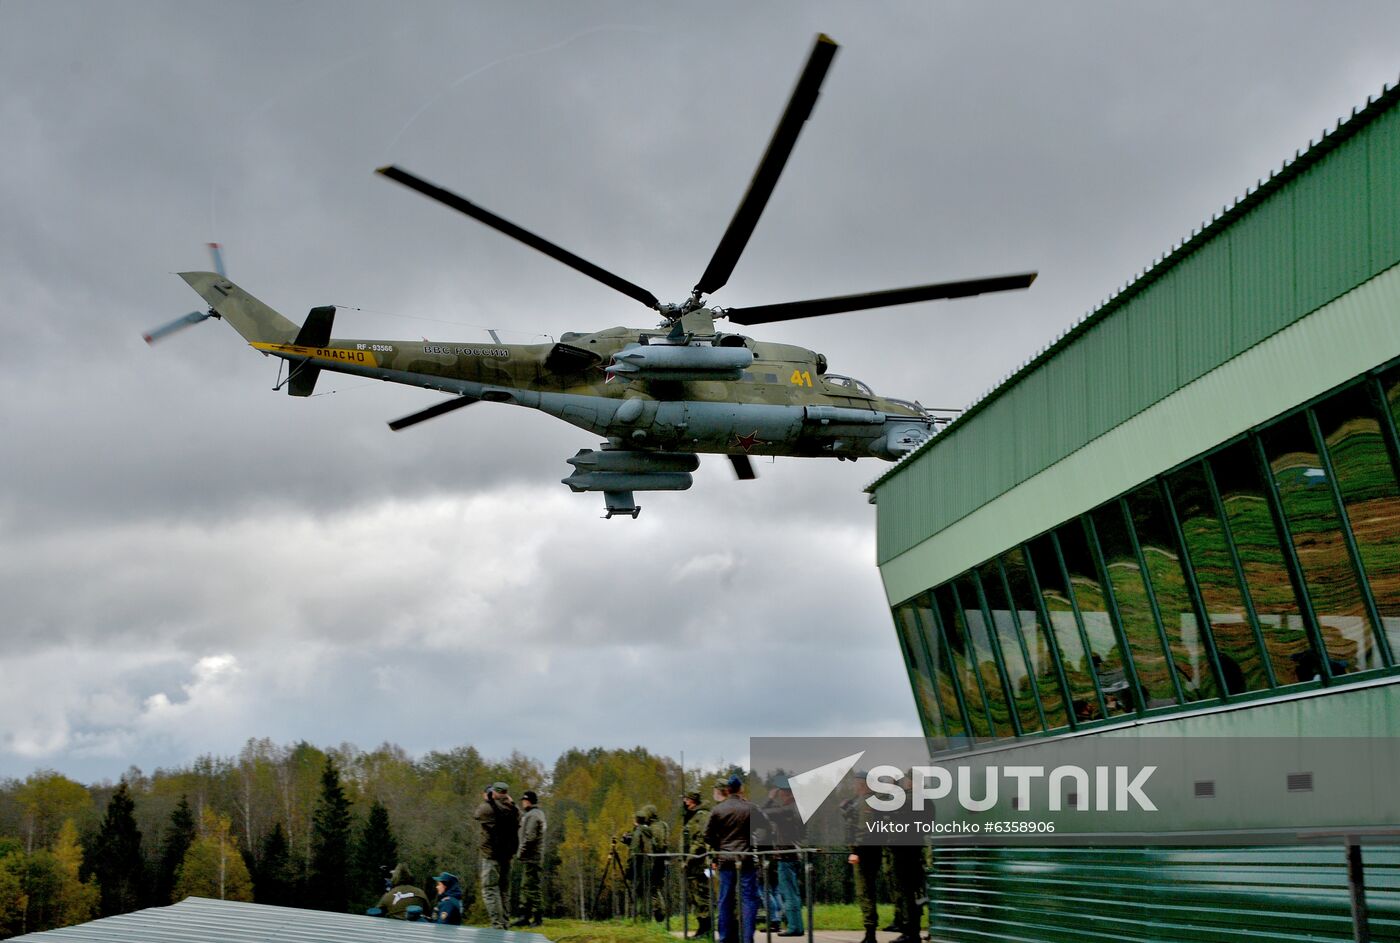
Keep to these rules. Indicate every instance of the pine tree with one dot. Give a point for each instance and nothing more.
(272, 883)
(117, 862)
(179, 835)
(328, 884)
(375, 848)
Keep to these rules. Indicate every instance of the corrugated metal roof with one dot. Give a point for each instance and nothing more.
(199, 920)
(1322, 225)
(1292, 168)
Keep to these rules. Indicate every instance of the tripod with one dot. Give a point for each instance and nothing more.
(614, 861)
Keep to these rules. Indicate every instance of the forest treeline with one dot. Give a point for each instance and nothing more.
(309, 827)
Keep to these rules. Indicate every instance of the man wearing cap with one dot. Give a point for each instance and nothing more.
(694, 817)
(532, 825)
(781, 810)
(449, 904)
(500, 836)
(729, 832)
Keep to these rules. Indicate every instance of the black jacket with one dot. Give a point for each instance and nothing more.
(731, 826)
(500, 827)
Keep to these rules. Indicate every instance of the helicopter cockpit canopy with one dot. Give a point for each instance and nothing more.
(848, 383)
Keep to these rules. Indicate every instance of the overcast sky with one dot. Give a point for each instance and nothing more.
(189, 559)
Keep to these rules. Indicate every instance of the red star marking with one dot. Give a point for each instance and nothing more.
(747, 442)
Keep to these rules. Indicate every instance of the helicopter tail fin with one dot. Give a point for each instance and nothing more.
(250, 317)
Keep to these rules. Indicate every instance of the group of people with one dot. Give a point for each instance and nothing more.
(735, 830)
(735, 837)
(508, 832)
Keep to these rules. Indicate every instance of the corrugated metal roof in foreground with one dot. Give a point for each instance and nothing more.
(1320, 226)
(199, 920)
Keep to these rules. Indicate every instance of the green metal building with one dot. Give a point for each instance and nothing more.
(1181, 519)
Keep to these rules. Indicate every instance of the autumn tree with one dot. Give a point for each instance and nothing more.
(14, 902)
(212, 866)
(48, 799)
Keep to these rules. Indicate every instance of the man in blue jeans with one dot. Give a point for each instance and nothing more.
(729, 833)
(786, 830)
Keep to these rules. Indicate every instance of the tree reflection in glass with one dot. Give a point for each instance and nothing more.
(1115, 683)
(1162, 557)
(945, 684)
(1055, 594)
(1308, 505)
(1245, 501)
(1241, 666)
(1351, 427)
(1007, 635)
(959, 649)
(1039, 644)
(1138, 622)
(920, 677)
(979, 634)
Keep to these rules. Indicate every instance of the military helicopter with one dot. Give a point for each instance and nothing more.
(657, 396)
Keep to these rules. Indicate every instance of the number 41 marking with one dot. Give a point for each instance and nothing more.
(800, 378)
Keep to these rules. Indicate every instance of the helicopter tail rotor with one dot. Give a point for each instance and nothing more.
(194, 317)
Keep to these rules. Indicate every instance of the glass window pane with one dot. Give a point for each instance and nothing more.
(993, 693)
(1322, 554)
(1105, 655)
(920, 677)
(1246, 505)
(1162, 555)
(1206, 547)
(1139, 624)
(1038, 641)
(1008, 638)
(1352, 430)
(1054, 592)
(945, 685)
(963, 659)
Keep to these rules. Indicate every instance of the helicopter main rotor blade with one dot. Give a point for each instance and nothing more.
(791, 310)
(432, 412)
(461, 205)
(765, 178)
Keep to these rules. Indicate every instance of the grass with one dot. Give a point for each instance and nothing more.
(604, 931)
(825, 917)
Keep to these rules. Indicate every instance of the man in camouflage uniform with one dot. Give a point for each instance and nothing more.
(694, 817)
(660, 844)
(532, 826)
(638, 842)
(401, 894)
(500, 823)
(865, 854)
(907, 872)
